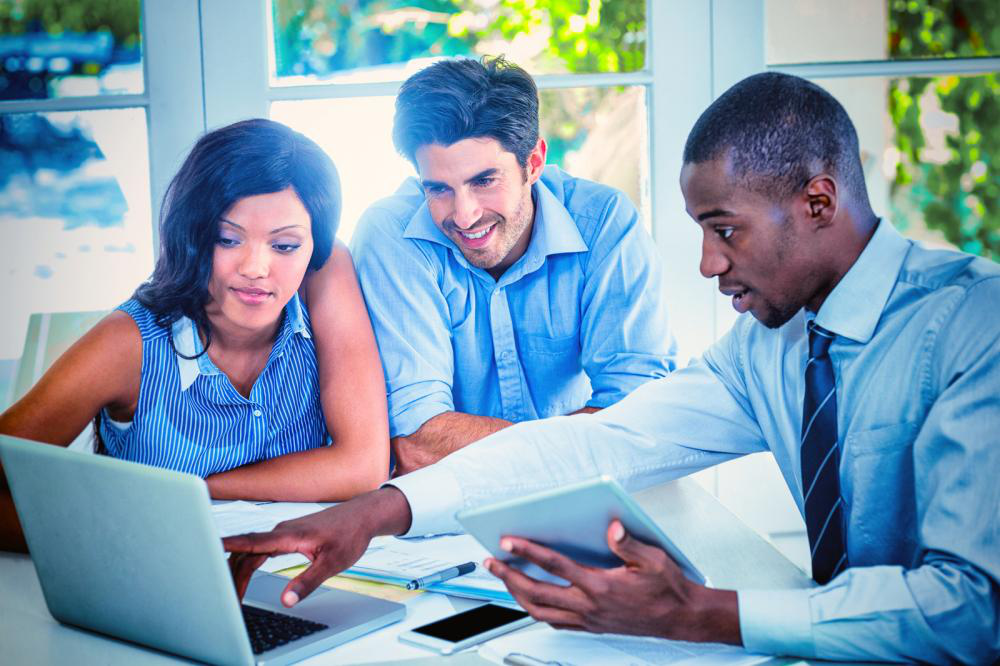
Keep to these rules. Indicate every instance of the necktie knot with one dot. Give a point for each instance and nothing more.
(820, 340)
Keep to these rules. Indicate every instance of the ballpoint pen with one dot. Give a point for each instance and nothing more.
(441, 576)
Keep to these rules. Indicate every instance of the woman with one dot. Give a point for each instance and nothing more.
(211, 368)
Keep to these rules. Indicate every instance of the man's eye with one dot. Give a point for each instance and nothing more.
(434, 190)
(724, 232)
(484, 182)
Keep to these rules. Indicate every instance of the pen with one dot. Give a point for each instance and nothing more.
(441, 576)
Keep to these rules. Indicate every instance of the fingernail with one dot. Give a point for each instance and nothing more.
(290, 599)
(505, 544)
(618, 532)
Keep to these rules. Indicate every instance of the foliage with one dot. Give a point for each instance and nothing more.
(961, 196)
(323, 37)
(120, 17)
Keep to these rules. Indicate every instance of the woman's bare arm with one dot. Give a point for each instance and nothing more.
(352, 393)
(103, 368)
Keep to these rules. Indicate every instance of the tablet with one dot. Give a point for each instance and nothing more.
(572, 520)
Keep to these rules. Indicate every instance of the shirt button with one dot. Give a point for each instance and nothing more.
(505, 356)
(257, 412)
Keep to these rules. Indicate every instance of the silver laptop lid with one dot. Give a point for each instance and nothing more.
(164, 582)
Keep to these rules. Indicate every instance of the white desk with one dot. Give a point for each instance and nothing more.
(729, 552)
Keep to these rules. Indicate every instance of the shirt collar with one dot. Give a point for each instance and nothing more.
(855, 305)
(553, 231)
(188, 342)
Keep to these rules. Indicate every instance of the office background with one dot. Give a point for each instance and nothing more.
(101, 99)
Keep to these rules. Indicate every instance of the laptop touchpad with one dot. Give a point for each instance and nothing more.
(266, 588)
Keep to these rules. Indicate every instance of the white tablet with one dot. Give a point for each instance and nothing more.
(572, 520)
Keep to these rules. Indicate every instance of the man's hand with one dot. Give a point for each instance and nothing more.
(332, 539)
(648, 596)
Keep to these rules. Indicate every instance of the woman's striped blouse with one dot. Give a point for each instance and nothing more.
(191, 418)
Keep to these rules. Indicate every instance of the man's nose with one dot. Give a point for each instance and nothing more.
(467, 210)
(713, 262)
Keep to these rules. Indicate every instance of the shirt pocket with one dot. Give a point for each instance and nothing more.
(895, 437)
(545, 346)
(878, 484)
(554, 372)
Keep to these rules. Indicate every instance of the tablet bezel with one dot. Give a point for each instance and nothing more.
(573, 520)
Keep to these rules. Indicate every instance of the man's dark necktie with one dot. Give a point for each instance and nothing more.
(821, 461)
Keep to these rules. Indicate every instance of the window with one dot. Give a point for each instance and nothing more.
(90, 132)
(593, 131)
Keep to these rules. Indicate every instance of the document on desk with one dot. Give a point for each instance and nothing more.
(388, 559)
(241, 517)
(543, 644)
(402, 560)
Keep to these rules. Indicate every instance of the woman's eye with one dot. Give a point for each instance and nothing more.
(286, 248)
(227, 242)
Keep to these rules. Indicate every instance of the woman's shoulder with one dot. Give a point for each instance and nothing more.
(143, 318)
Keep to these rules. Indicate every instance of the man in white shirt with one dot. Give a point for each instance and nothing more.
(867, 364)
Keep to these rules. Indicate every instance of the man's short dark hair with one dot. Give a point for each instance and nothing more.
(463, 98)
(779, 131)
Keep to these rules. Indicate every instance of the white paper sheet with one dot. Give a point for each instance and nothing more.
(242, 517)
(387, 558)
(574, 648)
(412, 558)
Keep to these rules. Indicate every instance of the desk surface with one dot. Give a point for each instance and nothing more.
(730, 554)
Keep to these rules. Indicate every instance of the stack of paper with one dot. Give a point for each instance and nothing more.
(388, 559)
(401, 560)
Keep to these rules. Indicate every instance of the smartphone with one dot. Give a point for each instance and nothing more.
(468, 628)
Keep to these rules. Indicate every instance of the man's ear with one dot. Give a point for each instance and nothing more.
(821, 200)
(536, 161)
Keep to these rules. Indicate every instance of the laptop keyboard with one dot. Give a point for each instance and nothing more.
(268, 630)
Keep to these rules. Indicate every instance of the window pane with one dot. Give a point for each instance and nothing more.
(596, 133)
(369, 166)
(814, 31)
(927, 146)
(368, 40)
(67, 48)
(75, 230)
(600, 134)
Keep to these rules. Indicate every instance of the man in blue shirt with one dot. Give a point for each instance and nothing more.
(868, 365)
(500, 290)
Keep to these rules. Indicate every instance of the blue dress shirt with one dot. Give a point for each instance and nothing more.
(579, 320)
(917, 360)
(192, 419)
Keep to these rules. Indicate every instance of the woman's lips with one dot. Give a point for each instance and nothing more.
(252, 296)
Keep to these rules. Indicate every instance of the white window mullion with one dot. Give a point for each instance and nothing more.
(172, 56)
(680, 62)
(235, 60)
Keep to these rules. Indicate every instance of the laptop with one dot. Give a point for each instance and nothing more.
(132, 551)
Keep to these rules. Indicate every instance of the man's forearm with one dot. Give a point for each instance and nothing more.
(388, 510)
(441, 435)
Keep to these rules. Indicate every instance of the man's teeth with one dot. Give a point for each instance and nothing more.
(478, 234)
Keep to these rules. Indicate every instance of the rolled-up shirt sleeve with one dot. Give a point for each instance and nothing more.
(410, 318)
(624, 331)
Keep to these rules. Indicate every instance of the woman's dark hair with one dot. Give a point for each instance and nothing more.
(463, 98)
(243, 159)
